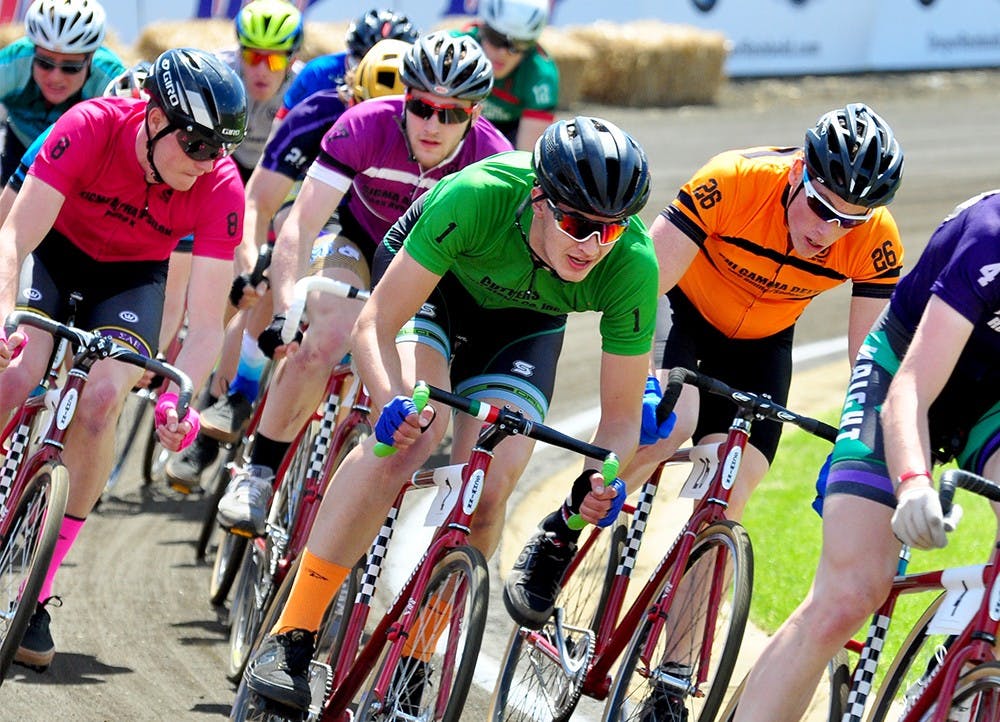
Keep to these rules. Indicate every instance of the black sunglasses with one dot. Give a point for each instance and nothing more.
(198, 147)
(47, 65)
(505, 42)
(447, 114)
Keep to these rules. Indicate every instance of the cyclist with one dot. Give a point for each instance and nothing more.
(924, 391)
(269, 33)
(375, 160)
(287, 156)
(117, 183)
(475, 283)
(329, 72)
(749, 240)
(58, 63)
(526, 92)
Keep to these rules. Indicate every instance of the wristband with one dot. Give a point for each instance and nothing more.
(907, 475)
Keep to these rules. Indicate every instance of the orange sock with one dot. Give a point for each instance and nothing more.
(432, 620)
(316, 582)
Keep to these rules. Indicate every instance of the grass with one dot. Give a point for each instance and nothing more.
(786, 536)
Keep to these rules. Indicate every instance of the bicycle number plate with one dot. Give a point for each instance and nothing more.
(704, 462)
(449, 483)
(963, 593)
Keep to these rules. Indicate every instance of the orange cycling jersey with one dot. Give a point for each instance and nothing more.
(746, 280)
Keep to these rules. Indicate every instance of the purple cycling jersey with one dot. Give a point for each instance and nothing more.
(961, 265)
(296, 142)
(365, 155)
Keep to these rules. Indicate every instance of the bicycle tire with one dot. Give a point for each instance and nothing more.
(633, 691)
(127, 431)
(976, 695)
(908, 666)
(437, 689)
(209, 523)
(27, 550)
(532, 685)
(154, 459)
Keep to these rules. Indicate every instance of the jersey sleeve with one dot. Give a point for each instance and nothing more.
(16, 179)
(451, 211)
(65, 160)
(877, 261)
(970, 280)
(541, 92)
(705, 202)
(629, 286)
(342, 154)
(219, 226)
(15, 67)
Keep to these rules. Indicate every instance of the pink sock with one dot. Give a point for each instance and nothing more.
(67, 535)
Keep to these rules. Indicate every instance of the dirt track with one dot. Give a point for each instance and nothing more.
(136, 637)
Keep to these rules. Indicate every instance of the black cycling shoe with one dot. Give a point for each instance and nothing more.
(37, 648)
(407, 687)
(665, 704)
(279, 671)
(185, 468)
(530, 590)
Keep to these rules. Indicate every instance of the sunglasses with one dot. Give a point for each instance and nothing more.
(826, 212)
(275, 61)
(504, 42)
(198, 147)
(47, 65)
(446, 114)
(580, 229)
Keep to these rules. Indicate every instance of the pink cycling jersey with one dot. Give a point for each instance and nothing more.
(365, 155)
(110, 212)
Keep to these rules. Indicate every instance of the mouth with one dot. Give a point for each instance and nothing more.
(578, 264)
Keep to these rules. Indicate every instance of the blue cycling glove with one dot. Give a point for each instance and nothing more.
(616, 504)
(650, 432)
(392, 417)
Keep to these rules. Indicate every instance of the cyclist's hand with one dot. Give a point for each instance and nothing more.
(650, 432)
(11, 347)
(918, 520)
(270, 341)
(174, 434)
(602, 505)
(399, 423)
(244, 294)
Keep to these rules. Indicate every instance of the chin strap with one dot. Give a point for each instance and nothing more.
(150, 142)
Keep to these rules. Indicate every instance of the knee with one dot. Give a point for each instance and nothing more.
(835, 612)
(99, 404)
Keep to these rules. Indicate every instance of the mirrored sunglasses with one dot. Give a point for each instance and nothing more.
(275, 61)
(826, 212)
(198, 147)
(504, 42)
(47, 65)
(447, 114)
(580, 229)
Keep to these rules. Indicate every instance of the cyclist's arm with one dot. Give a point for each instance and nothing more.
(674, 251)
(265, 191)
(397, 297)
(863, 313)
(32, 215)
(289, 260)
(926, 367)
(529, 130)
(623, 379)
(203, 341)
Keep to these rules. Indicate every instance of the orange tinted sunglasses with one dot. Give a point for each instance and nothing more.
(275, 61)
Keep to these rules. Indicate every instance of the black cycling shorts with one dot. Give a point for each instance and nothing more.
(761, 365)
(123, 299)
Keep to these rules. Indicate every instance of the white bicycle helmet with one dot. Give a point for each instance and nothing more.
(131, 83)
(517, 19)
(65, 26)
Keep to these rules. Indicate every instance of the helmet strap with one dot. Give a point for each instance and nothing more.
(151, 142)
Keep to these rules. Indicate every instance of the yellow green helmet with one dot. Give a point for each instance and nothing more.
(270, 25)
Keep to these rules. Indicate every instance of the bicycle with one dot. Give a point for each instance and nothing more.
(682, 633)
(34, 485)
(441, 607)
(334, 429)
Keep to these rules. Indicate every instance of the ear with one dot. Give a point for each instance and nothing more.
(537, 200)
(157, 119)
(795, 172)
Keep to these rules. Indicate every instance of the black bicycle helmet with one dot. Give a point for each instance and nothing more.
(197, 91)
(853, 152)
(377, 25)
(591, 165)
(448, 66)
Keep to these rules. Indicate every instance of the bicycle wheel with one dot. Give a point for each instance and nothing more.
(209, 524)
(665, 683)
(154, 459)
(976, 697)
(127, 431)
(27, 550)
(533, 684)
(432, 678)
(919, 653)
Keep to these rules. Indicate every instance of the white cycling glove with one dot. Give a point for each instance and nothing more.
(918, 520)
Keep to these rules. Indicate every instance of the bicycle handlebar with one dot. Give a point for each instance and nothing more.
(79, 338)
(759, 405)
(959, 478)
(315, 283)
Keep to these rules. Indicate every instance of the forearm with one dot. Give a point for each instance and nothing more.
(198, 354)
(620, 436)
(905, 430)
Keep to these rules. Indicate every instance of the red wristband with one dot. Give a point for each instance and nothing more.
(907, 475)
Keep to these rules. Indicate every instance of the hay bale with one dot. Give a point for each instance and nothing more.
(652, 63)
(208, 34)
(572, 57)
(323, 39)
